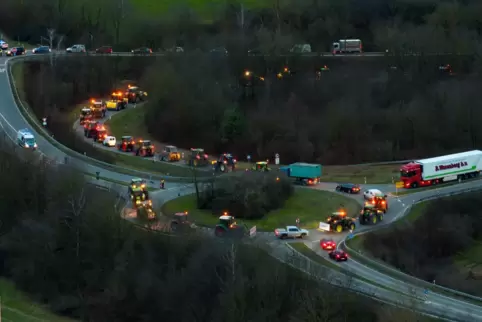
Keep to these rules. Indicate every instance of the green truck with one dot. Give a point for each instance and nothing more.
(306, 174)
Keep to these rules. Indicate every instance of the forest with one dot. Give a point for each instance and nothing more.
(415, 101)
(441, 244)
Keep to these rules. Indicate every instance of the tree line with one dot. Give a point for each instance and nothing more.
(356, 110)
(64, 243)
(440, 245)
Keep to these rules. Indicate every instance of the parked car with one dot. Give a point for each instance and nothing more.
(142, 51)
(104, 50)
(76, 49)
(42, 50)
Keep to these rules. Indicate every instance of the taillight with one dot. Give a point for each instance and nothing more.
(324, 244)
(205, 156)
(234, 160)
(150, 51)
(225, 162)
(198, 157)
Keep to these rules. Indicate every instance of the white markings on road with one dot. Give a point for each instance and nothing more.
(2, 70)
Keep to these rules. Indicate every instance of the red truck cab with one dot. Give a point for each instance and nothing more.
(411, 176)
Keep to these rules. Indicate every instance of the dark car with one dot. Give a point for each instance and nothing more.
(16, 51)
(104, 50)
(339, 255)
(42, 50)
(142, 51)
(348, 188)
(327, 244)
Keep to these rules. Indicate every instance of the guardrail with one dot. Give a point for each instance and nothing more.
(74, 154)
(397, 273)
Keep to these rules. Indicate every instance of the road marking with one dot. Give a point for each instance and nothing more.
(2, 70)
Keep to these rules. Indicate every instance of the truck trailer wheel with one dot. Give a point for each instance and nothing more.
(414, 185)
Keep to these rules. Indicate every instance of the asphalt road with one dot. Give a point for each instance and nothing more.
(11, 120)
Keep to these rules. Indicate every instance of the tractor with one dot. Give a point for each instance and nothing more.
(144, 148)
(181, 222)
(227, 227)
(85, 115)
(170, 153)
(95, 130)
(225, 163)
(134, 94)
(98, 109)
(379, 202)
(370, 214)
(145, 211)
(339, 222)
(117, 101)
(138, 196)
(261, 166)
(197, 158)
(138, 183)
(127, 144)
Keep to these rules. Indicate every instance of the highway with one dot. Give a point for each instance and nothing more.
(395, 291)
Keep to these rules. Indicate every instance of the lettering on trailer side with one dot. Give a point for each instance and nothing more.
(449, 166)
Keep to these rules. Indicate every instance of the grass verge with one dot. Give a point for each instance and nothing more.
(310, 206)
(363, 256)
(17, 307)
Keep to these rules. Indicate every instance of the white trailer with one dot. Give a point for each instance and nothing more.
(347, 46)
(451, 165)
(458, 166)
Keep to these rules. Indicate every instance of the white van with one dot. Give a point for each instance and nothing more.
(76, 49)
(26, 139)
(110, 141)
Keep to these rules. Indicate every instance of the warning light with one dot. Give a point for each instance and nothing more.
(286, 69)
(279, 75)
(225, 213)
(92, 101)
(247, 73)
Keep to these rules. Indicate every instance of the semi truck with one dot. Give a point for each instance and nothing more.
(303, 173)
(347, 46)
(432, 171)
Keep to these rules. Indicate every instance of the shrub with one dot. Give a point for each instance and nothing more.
(249, 196)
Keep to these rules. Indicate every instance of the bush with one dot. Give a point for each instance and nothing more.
(250, 196)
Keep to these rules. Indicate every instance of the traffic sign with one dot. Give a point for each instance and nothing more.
(248, 157)
(276, 159)
(252, 231)
(399, 184)
(350, 236)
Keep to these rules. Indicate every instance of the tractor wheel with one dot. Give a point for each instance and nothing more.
(374, 220)
(361, 220)
(339, 228)
(174, 226)
(222, 168)
(380, 217)
(352, 226)
(194, 163)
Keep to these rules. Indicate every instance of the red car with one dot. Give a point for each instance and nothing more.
(327, 244)
(104, 50)
(339, 255)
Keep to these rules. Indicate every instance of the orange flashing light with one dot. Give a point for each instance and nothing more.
(286, 69)
(225, 213)
(92, 101)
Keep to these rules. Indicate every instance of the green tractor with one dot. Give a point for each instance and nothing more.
(138, 196)
(339, 222)
(227, 227)
(370, 214)
(261, 166)
(135, 185)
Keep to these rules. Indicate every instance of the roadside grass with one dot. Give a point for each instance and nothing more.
(373, 174)
(470, 260)
(17, 307)
(310, 206)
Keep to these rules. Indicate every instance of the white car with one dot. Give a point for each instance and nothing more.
(372, 193)
(3, 45)
(109, 141)
(76, 49)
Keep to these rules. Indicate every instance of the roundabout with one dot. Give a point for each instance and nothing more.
(371, 282)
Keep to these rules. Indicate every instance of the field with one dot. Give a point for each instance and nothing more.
(17, 307)
(310, 206)
(204, 9)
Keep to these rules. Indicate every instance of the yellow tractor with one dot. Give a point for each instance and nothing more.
(170, 153)
(117, 101)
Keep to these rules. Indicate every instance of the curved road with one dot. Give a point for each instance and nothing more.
(11, 120)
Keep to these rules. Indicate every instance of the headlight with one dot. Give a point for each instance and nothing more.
(35, 145)
(26, 145)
